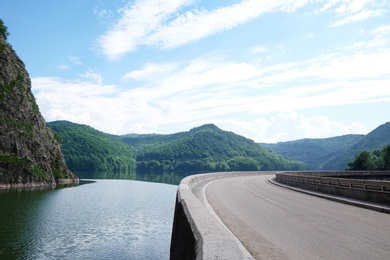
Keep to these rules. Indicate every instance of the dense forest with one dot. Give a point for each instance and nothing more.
(376, 160)
(208, 148)
(86, 149)
(332, 153)
(205, 148)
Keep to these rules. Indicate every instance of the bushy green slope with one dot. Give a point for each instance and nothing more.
(315, 152)
(376, 139)
(207, 148)
(332, 153)
(85, 148)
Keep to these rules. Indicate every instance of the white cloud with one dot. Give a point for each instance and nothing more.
(95, 77)
(159, 23)
(150, 72)
(138, 20)
(384, 29)
(100, 106)
(363, 15)
(70, 61)
(344, 6)
(75, 60)
(63, 67)
(287, 126)
(352, 10)
(229, 94)
(258, 49)
(358, 5)
(100, 11)
(81, 88)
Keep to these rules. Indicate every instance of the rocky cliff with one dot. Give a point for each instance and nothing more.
(30, 156)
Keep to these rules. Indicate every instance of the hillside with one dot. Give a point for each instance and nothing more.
(314, 152)
(205, 148)
(208, 148)
(332, 153)
(376, 139)
(29, 154)
(87, 149)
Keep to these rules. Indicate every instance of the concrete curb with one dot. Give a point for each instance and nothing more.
(245, 253)
(209, 238)
(353, 202)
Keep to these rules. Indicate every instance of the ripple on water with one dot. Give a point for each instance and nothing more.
(108, 219)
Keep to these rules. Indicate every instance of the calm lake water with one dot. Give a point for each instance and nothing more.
(103, 219)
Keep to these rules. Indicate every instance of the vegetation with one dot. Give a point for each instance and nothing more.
(3, 33)
(315, 152)
(26, 128)
(376, 160)
(85, 148)
(28, 152)
(201, 149)
(3, 30)
(332, 153)
(206, 148)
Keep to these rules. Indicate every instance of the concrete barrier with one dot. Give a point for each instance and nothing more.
(349, 184)
(197, 233)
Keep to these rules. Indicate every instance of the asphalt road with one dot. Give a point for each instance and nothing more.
(276, 223)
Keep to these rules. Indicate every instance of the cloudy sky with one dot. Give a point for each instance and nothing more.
(269, 70)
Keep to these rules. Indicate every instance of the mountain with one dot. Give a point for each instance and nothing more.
(87, 149)
(376, 139)
(332, 153)
(315, 153)
(205, 148)
(29, 153)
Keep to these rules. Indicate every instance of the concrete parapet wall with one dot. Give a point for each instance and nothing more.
(341, 184)
(197, 233)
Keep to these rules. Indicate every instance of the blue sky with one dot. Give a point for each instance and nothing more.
(268, 70)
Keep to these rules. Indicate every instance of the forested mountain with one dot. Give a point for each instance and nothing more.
(377, 160)
(205, 148)
(376, 139)
(332, 153)
(85, 148)
(314, 152)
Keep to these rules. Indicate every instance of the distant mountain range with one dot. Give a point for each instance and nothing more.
(205, 148)
(332, 153)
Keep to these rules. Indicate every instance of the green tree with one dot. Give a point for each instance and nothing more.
(3, 30)
(362, 161)
(241, 163)
(386, 157)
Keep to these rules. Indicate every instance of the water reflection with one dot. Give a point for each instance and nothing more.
(162, 177)
(106, 219)
(102, 220)
(20, 211)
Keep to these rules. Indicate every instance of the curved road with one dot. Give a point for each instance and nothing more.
(276, 223)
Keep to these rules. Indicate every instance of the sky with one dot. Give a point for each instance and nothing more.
(269, 70)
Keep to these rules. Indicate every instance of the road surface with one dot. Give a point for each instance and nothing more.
(276, 223)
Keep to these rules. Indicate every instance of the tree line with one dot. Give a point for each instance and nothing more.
(206, 148)
(378, 159)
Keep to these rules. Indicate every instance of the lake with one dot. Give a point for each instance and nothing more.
(99, 219)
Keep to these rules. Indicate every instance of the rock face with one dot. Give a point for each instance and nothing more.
(30, 156)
